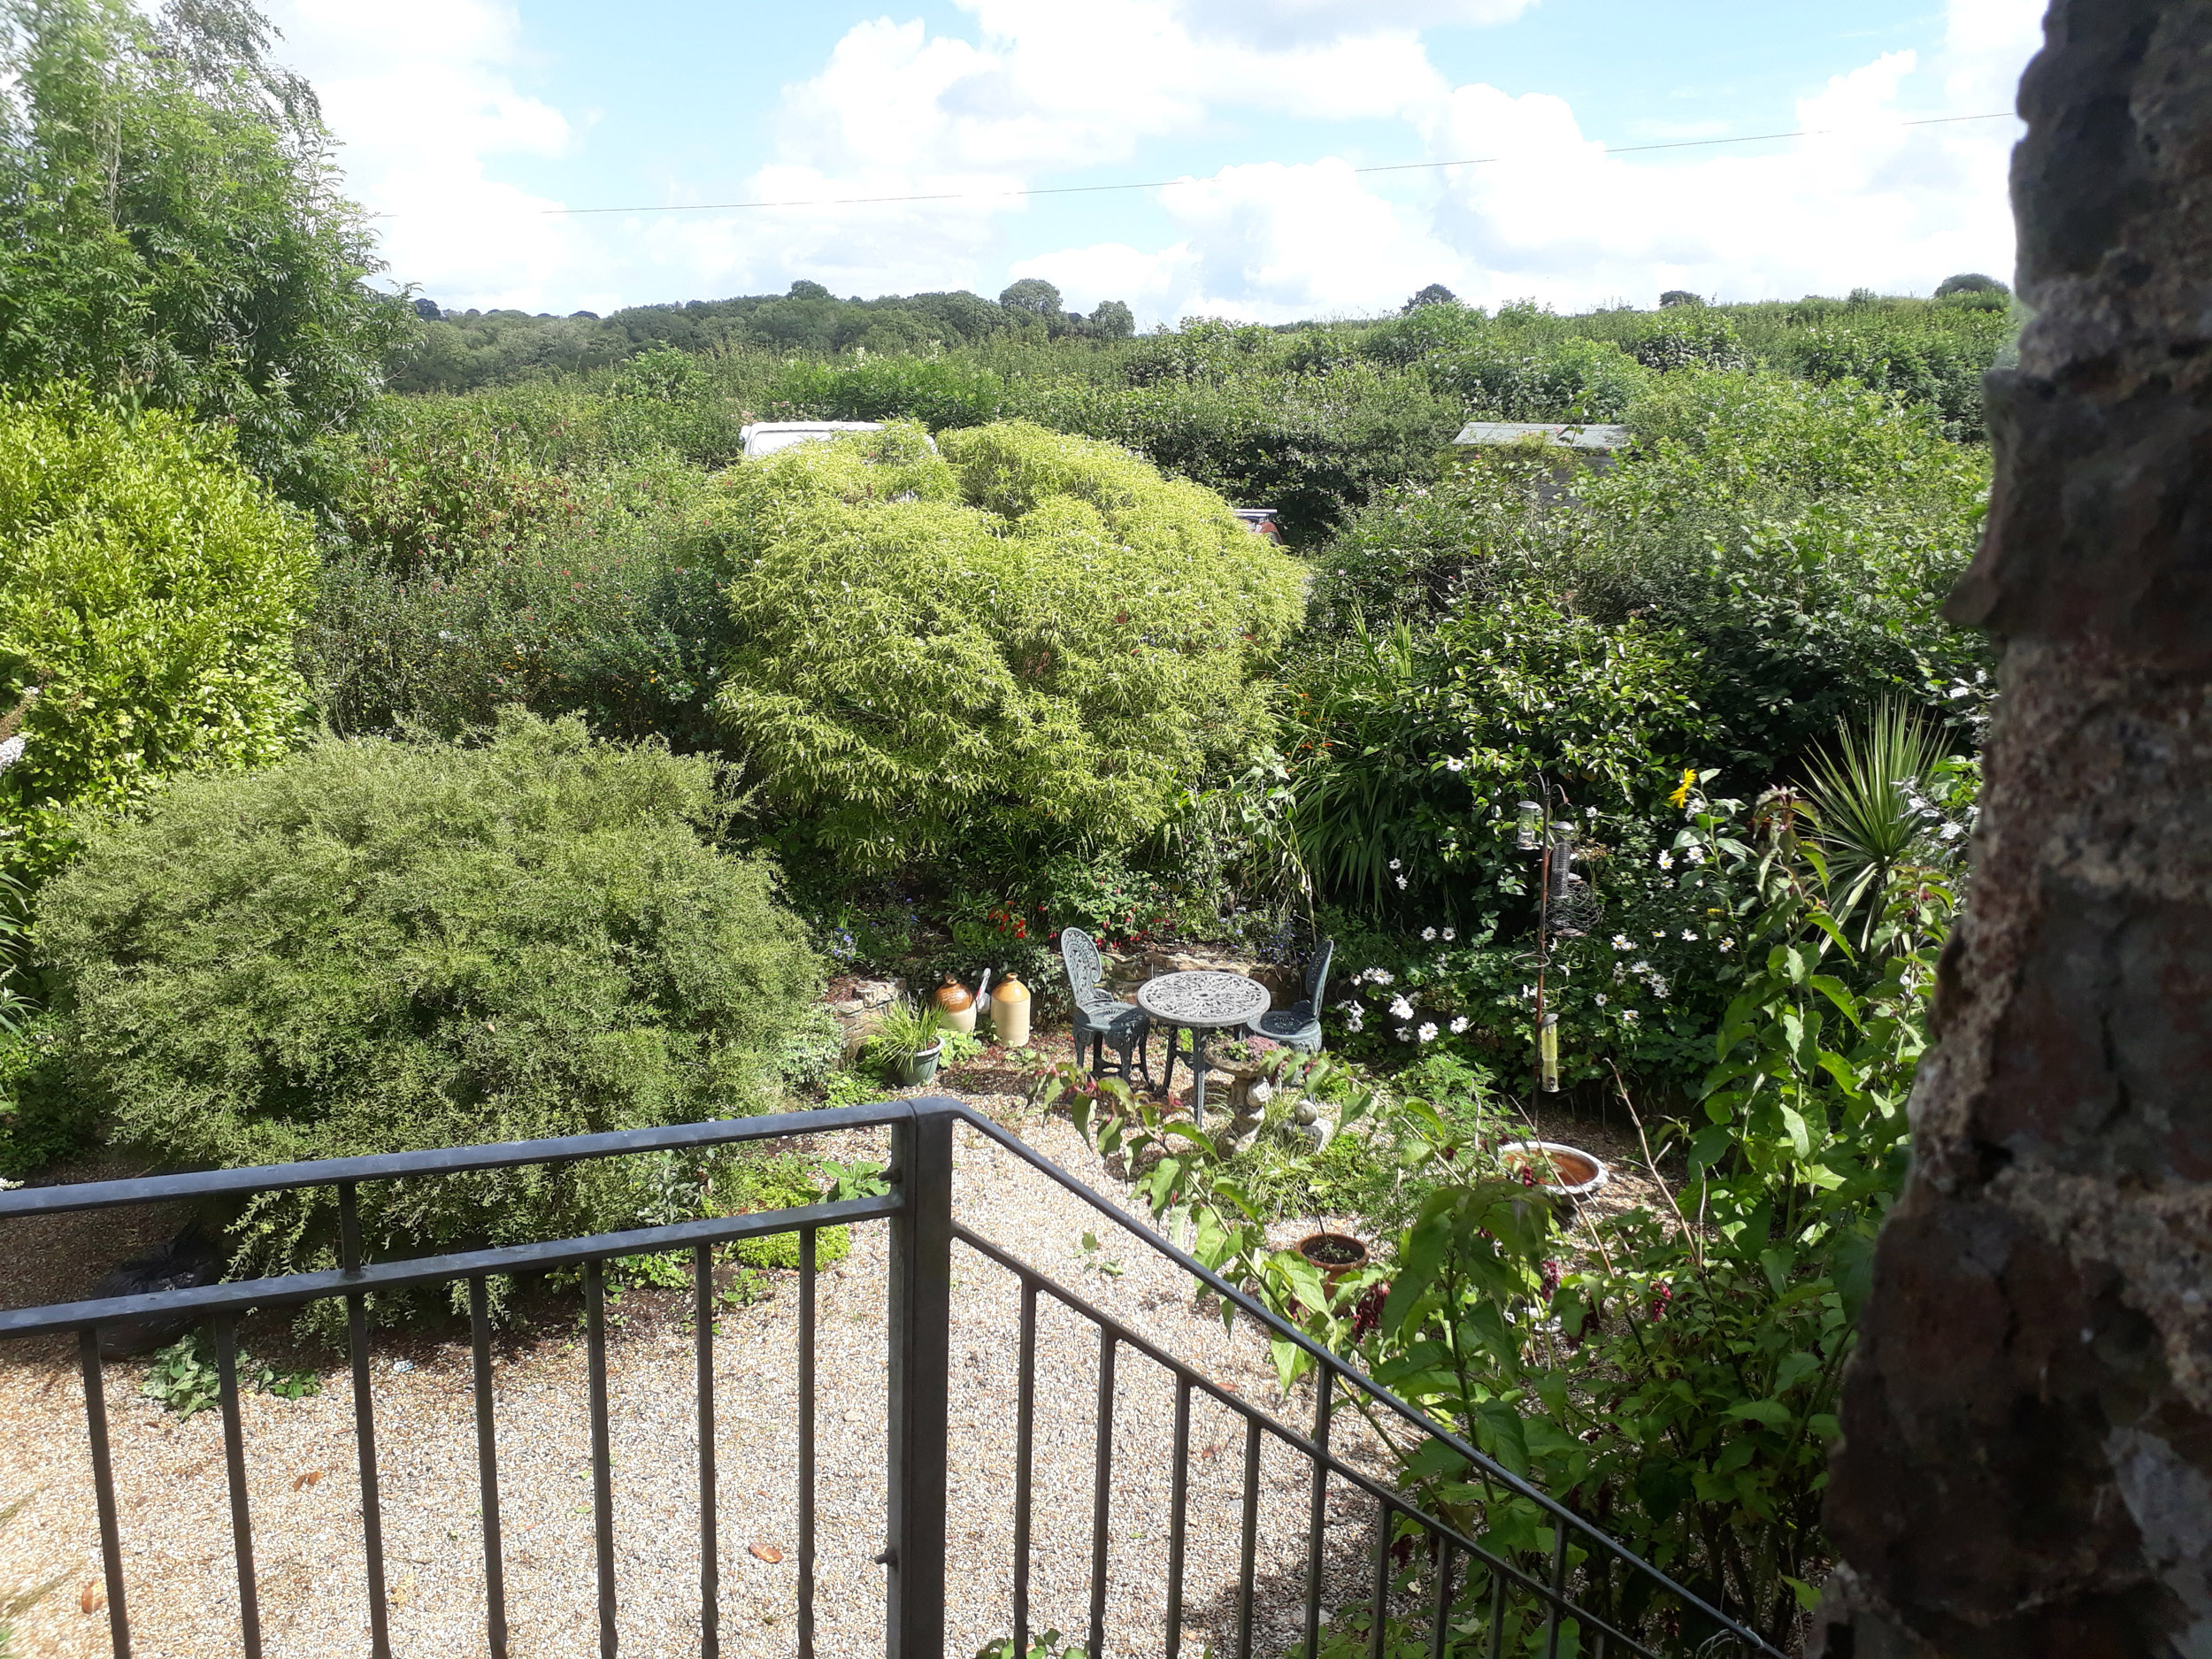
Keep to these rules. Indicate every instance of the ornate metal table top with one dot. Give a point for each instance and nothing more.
(1205, 998)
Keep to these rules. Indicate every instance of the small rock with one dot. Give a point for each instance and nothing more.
(768, 1553)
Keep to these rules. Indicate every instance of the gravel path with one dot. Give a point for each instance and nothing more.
(305, 1489)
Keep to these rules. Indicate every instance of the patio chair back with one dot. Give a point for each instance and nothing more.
(1080, 956)
(1317, 974)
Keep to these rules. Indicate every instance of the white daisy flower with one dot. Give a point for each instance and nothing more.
(1400, 1009)
(1402, 882)
(1459, 1024)
(1628, 1013)
(1600, 999)
(1666, 861)
(1695, 854)
(1380, 976)
(1689, 937)
(1621, 941)
(1394, 863)
(1354, 1024)
(1450, 934)
(1455, 765)
(1428, 1031)
(1428, 933)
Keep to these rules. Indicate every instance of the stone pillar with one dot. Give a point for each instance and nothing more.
(2026, 1463)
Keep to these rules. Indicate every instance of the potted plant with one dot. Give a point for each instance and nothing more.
(1335, 1254)
(908, 1043)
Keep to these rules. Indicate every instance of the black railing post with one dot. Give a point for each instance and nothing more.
(921, 1322)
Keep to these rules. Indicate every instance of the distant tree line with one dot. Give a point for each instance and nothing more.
(461, 350)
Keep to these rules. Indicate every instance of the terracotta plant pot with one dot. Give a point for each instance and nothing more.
(1335, 1254)
(1563, 1171)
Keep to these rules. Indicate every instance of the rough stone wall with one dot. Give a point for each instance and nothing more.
(2026, 1467)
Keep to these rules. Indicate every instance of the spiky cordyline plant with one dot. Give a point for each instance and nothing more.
(1865, 798)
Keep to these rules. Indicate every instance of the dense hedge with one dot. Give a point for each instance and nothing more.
(1799, 535)
(150, 589)
(378, 947)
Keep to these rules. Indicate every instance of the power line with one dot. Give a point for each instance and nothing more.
(1169, 184)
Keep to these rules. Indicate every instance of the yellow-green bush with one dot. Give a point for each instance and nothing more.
(1031, 632)
(150, 588)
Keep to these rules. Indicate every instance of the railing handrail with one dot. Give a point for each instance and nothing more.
(236, 1296)
(499, 1155)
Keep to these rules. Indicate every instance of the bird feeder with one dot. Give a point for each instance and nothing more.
(1528, 827)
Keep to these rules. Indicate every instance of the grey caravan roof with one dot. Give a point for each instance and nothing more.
(1487, 433)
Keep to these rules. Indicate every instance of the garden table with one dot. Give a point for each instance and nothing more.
(1200, 1000)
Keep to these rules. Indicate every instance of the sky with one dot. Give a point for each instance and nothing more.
(475, 128)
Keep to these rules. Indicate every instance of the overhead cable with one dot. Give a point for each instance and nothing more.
(1169, 184)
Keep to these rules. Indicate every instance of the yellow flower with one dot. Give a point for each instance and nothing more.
(1682, 790)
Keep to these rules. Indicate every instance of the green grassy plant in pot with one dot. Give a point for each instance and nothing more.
(908, 1043)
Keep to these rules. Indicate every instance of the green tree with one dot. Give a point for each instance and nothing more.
(149, 590)
(1034, 295)
(1112, 320)
(171, 230)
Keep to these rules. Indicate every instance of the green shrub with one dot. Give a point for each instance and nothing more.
(39, 1122)
(150, 588)
(627, 632)
(935, 391)
(780, 1183)
(1803, 535)
(1032, 632)
(380, 947)
(1799, 536)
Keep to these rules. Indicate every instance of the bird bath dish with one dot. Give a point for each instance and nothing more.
(1563, 1171)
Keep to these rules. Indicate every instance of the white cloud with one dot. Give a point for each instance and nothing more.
(1869, 202)
(427, 98)
(1249, 251)
(423, 96)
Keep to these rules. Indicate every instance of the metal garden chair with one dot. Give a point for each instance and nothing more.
(1101, 1017)
(1299, 1025)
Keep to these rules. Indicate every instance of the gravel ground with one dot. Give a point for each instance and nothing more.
(304, 1484)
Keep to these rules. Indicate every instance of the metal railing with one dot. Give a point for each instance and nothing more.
(1568, 1603)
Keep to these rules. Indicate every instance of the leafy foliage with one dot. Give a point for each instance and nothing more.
(1675, 1378)
(784, 1183)
(1803, 536)
(1032, 632)
(185, 1379)
(148, 593)
(173, 233)
(1867, 804)
(380, 947)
